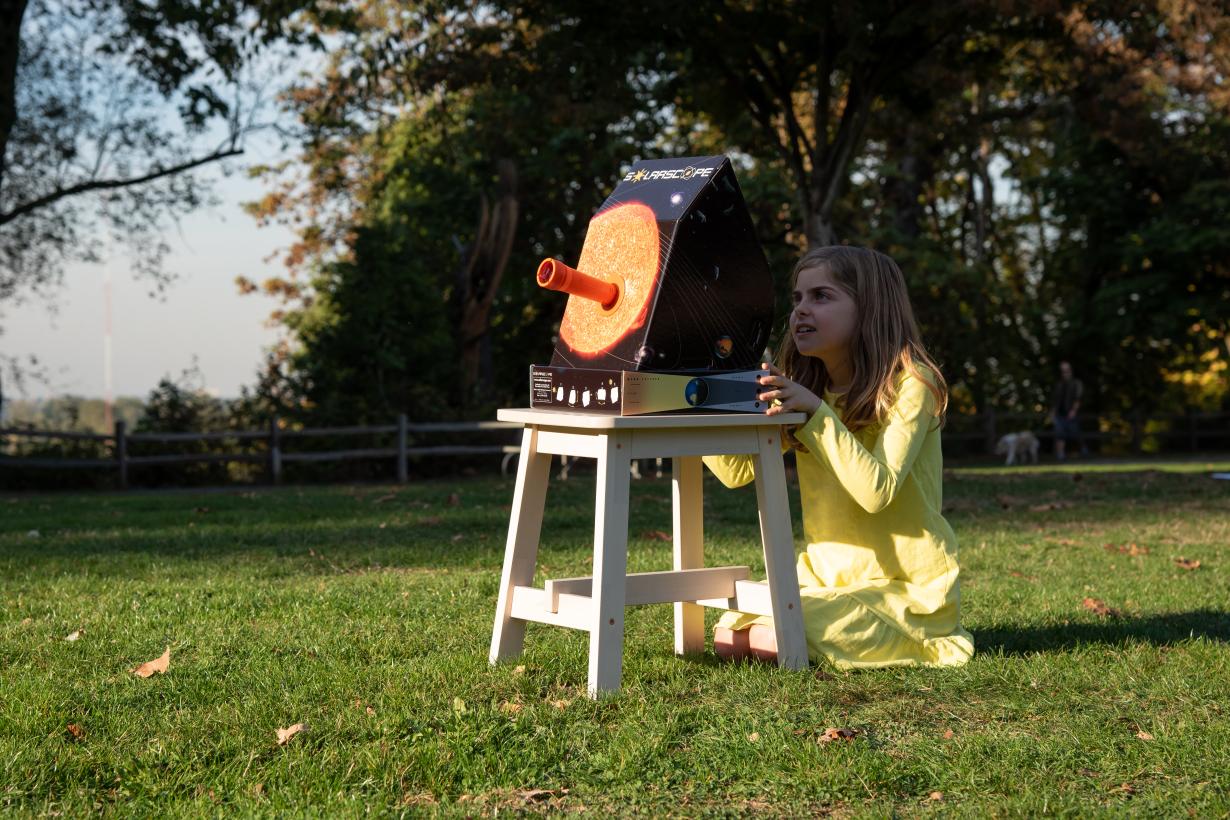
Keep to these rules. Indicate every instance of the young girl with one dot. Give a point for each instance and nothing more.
(879, 575)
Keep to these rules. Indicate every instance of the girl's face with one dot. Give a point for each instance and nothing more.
(824, 317)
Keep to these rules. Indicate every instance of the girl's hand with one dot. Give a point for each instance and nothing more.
(791, 395)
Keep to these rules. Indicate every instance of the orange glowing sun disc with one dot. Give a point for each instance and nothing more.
(621, 246)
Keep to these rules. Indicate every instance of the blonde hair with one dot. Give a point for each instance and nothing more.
(886, 340)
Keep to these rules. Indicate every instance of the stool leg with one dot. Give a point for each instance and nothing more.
(688, 507)
(606, 633)
(778, 541)
(521, 549)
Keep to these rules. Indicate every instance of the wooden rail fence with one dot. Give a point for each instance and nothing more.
(274, 438)
(1191, 430)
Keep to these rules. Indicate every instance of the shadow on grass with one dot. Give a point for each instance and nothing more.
(1160, 630)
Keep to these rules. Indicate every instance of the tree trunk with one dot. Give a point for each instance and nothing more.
(820, 231)
(905, 190)
(831, 161)
(478, 280)
(11, 14)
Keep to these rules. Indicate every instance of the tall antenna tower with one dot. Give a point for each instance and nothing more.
(108, 417)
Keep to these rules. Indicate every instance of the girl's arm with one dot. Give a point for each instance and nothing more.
(735, 470)
(873, 477)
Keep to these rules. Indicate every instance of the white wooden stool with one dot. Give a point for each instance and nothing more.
(597, 604)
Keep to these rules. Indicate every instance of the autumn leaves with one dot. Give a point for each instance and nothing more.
(160, 666)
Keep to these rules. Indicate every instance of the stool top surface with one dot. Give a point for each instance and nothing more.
(595, 421)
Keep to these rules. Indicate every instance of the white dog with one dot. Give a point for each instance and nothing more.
(1023, 444)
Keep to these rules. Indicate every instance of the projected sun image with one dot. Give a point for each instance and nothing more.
(620, 247)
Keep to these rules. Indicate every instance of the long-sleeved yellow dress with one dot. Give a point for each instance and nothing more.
(879, 576)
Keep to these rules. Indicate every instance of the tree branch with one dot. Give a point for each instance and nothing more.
(107, 184)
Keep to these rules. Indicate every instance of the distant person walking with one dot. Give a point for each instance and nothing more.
(1065, 404)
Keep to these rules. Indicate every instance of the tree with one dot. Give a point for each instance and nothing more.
(106, 109)
(976, 142)
(417, 120)
(810, 77)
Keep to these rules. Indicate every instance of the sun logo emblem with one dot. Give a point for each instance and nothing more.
(688, 172)
(639, 175)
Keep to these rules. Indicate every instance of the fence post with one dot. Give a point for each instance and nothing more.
(121, 452)
(990, 430)
(402, 472)
(275, 452)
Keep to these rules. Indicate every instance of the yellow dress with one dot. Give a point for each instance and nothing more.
(879, 576)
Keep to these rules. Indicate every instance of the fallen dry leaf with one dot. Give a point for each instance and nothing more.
(430, 520)
(1184, 563)
(936, 797)
(158, 665)
(258, 790)
(284, 735)
(832, 734)
(510, 708)
(27, 621)
(948, 734)
(371, 711)
(1099, 607)
(561, 703)
(754, 737)
(519, 669)
(454, 499)
(382, 499)
(72, 636)
(75, 732)
(1126, 788)
(1126, 549)
(540, 795)
(1143, 735)
(457, 537)
(656, 535)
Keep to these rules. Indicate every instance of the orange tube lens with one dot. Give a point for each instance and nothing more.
(555, 275)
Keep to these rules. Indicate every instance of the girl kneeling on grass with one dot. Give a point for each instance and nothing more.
(879, 576)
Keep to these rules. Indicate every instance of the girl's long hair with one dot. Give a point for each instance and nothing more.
(886, 341)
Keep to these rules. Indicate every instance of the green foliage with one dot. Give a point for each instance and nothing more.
(1049, 178)
(377, 329)
(181, 406)
(71, 414)
(75, 413)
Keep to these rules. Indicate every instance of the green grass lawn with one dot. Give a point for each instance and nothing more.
(366, 613)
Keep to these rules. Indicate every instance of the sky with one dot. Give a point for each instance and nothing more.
(199, 319)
